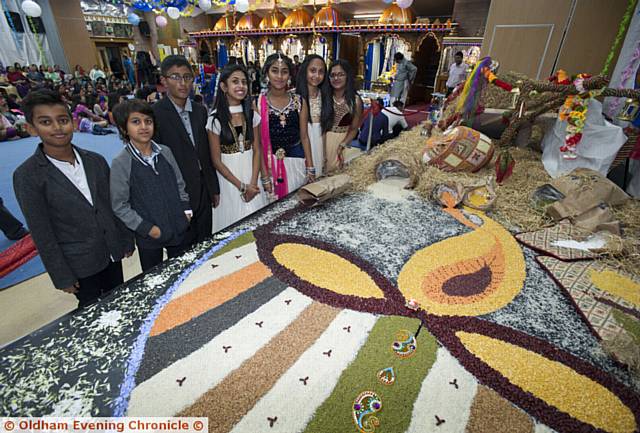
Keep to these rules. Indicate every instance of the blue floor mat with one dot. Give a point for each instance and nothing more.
(13, 153)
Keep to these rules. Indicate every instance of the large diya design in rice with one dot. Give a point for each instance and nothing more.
(458, 282)
(460, 149)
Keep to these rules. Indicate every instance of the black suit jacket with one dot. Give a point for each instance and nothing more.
(170, 131)
(74, 238)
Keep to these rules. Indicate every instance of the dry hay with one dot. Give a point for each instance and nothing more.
(495, 97)
(408, 146)
(626, 351)
(512, 207)
(629, 259)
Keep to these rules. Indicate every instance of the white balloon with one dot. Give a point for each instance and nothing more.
(174, 13)
(31, 8)
(242, 5)
(205, 5)
(404, 4)
(161, 21)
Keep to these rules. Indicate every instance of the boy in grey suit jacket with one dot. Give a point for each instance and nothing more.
(63, 192)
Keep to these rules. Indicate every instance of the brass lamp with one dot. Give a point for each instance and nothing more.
(630, 110)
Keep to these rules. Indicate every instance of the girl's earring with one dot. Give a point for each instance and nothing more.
(266, 80)
(289, 82)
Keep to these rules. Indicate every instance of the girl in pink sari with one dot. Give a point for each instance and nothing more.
(287, 161)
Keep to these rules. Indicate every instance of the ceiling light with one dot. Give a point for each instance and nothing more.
(366, 16)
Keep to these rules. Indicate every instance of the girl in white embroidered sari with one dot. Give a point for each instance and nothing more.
(234, 140)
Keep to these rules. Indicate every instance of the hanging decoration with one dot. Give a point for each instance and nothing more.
(31, 8)
(622, 30)
(188, 11)
(574, 112)
(7, 15)
(242, 6)
(220, 3)
(36, 36)
(470, 96)
(291, 4)
(142, 5)
(133, 19)
(205, 5)
(161, 21)
(185, 7)
(253, 5)
(173, 12)
(404, 4)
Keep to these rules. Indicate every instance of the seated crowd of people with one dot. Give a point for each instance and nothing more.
(90, 96)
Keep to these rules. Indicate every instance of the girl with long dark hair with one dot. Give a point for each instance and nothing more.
(287, 159)
(345, 114)
(311, 85)
(234, 141)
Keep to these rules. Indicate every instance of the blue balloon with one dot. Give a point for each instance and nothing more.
(133, 19)
(180, 4)
(388, 1)
(142, 5)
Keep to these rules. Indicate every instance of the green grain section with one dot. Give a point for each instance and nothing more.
(335, 414)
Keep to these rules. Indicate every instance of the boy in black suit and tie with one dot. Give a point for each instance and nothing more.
(181, 125)
(63, 192)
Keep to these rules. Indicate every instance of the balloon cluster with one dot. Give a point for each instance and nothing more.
(173, 8)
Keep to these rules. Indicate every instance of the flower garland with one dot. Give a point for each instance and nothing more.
(574, 112)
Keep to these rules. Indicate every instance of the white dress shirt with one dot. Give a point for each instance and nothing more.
(457, 74)
(75, 173)
(185, 114)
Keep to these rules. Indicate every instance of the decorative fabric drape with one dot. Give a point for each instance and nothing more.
(21, 47)
(368, 76)
(626, 70)
(223, 58)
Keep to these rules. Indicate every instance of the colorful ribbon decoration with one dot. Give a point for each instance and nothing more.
(14, 32)
(43, 58)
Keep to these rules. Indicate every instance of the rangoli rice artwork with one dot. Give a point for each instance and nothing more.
(364, 314)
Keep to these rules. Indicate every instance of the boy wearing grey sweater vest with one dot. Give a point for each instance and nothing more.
(147, 189)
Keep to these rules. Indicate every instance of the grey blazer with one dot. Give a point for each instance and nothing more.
(74, 239)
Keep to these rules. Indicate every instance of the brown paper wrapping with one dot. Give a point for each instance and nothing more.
(318, 192)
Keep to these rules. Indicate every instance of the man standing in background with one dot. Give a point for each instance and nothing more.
(457, 73)
(405, 76)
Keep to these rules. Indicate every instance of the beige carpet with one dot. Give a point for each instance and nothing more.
(33, 303)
